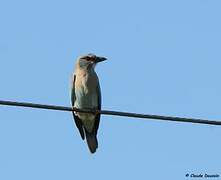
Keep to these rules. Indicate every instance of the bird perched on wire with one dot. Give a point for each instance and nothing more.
(86, 94)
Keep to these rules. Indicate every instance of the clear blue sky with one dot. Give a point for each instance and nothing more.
(164, 58)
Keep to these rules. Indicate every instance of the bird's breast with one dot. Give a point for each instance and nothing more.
(86, 92)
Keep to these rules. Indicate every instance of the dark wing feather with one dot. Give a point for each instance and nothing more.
(97, 118)
(76, 119)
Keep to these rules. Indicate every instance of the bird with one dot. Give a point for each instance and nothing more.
(86, 94)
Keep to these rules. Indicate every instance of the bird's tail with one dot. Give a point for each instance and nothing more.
(91, 141)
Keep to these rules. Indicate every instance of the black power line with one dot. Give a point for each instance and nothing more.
(107, 112)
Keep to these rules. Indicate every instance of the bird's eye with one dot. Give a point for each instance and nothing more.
(87, 58)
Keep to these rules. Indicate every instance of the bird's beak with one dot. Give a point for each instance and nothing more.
(100, 59)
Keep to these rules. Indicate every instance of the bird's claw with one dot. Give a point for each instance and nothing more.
(97, 112)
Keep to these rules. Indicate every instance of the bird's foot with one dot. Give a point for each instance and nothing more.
(74, 110)
(97, 112)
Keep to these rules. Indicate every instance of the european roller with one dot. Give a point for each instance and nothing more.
(86, 94)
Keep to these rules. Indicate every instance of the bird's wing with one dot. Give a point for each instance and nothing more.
(97, 118)
(76, 119)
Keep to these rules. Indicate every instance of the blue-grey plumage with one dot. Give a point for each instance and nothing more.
(86, 94)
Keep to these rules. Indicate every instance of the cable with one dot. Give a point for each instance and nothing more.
(107, 112)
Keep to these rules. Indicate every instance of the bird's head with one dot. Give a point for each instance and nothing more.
(88, 62)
